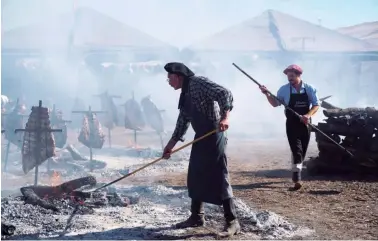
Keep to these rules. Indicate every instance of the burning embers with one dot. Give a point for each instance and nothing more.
(58, 200)
(152, 216)
(56, 197)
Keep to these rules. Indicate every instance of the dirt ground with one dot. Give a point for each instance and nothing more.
(336, 207)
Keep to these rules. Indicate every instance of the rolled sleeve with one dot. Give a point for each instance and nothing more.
(314, 99)
(225, 101)
(182, 126)
(280, 96)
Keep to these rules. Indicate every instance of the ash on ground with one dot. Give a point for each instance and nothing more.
(109, 163)
(122, 161)
(152, 216)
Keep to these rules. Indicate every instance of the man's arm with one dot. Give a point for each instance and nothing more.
(182, 126)
(314, 100)
(273, 101)
(219, 94)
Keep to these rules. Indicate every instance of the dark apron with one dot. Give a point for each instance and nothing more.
(298, 134)
(208, 179)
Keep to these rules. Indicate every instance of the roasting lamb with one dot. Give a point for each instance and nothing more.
(31, 156)
(91, 134)
(58, 123)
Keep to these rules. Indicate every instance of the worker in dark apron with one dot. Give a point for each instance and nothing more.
(303, 99)
(206, 106)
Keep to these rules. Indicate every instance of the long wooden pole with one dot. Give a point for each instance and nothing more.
(157, 160)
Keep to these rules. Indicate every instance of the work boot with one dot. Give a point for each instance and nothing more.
(197, 219)
(230, 229)
(192, 222)
(296, 186)
(296, 179)
(232, 226)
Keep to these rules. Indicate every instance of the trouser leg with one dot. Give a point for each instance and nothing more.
(197, 208)
(305, 140)
(295, 135)
(229, 209)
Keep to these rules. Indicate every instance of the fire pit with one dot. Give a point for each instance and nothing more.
(152, 213)
(56, 201)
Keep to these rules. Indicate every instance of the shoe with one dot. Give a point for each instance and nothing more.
(230, 229)
(192, 222)
(296, 187)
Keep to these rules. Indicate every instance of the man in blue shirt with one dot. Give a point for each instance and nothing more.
(303, 99)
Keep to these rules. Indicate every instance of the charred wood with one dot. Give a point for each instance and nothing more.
(327, 105)
(36, 195)
(7, 230)
(369, 111)
(32, 198)
(355, 129)
(335, 137)
(347, 130)
(359, 153)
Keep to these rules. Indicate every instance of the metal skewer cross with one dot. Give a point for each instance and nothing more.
(55, 121)
(107, 96)
(135, 132)
(4, 169)
(90, 113)
(38, 130)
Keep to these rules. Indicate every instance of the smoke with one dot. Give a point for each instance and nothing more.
(67, 76)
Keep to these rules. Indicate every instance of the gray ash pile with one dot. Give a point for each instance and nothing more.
(44, 209)
(356, 129)
(152, 215)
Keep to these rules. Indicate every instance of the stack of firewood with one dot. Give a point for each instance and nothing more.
(356, 129)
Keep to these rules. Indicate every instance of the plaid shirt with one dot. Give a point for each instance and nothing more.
(209, 98)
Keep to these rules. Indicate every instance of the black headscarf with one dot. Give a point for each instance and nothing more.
(182, 70)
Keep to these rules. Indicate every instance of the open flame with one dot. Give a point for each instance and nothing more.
(55, 179)
(131, 144)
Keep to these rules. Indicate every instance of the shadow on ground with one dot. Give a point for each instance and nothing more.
(125, 233)
(284, 173)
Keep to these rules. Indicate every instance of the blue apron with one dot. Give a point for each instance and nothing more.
(208, 179)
